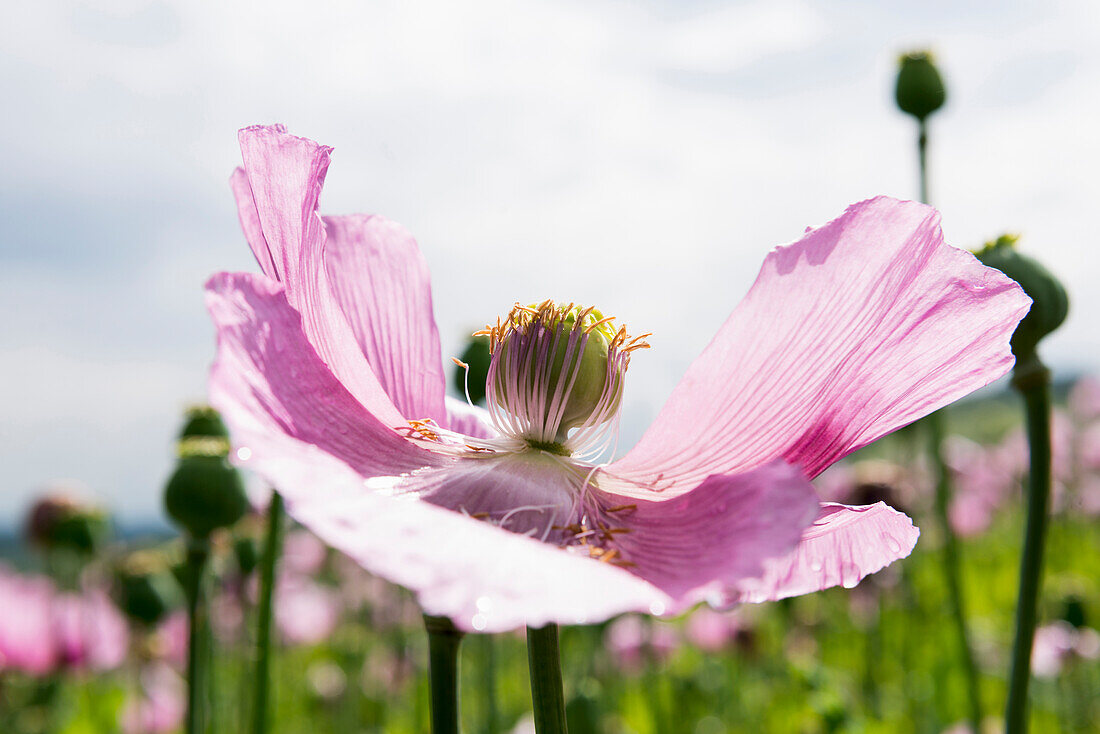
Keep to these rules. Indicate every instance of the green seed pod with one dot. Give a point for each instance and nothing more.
(59, 522)
(202, 420)
(205, 493)
(1050, 304)
(476, 357)
(920, 90)
(146, 590)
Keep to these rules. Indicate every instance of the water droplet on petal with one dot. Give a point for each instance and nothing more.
(849, 574)
(478, 622)
(657, 608)
(244, 453)
(484, 603)
(893, 544)
(816, 565)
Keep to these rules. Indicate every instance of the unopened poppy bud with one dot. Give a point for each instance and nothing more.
(61, 522)
(470, 376)
(919, 91)
(205, 492)
(555, 368)
(1050, 304)
(146, 590)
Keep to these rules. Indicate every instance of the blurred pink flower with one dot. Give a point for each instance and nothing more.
(90, 632)
(1084, 399)
(26, 631)
(329, 373)
(303, 553)
(632, 641)
(305, 611)
(1059, 642)
(159, 707)
(710, 630)
(171, 639)
(982, 485)
(43, 630)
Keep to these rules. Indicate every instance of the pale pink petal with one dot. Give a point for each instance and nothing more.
(278, 210)
(862, 326)
(469, 420)
(250, 220)
(697, 545)
(267, 381)
(482, 577)
(381, 281)
(842, 546)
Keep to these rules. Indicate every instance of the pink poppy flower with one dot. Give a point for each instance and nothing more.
(306, 612)
(26, 629)
(160, 705)
(329, 374)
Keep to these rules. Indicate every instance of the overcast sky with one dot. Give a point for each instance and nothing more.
(641, 157)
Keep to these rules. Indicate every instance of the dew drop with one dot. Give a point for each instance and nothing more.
(849, 574)
(484, 603)
(657, 608)
(893, 544)
(244, 453)
(478, 622)
(816, 565)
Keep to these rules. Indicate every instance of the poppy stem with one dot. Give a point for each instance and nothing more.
(547, 694)
(198, 553)
(443, 641)
(260, 706)
(1032, 380)
(488, 684)
(952, 572)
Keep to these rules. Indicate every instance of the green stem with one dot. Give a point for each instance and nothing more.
(547, 695)
(952, 574)
(489, 684)
(260, 704)
(443, 641)
(198, 553)
(1032, 379)
(922, 159)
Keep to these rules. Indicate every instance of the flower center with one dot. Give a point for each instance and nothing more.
(556, 374)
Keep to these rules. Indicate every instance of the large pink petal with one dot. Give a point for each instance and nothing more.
(699, 544)
(278, 211)
(480, 576)
(381, 282)
(842, 546)
(267, 381)
(862, 326)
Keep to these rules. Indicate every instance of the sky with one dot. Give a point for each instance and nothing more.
(642, 157)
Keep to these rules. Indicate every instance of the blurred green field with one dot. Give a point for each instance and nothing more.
(877, 658)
